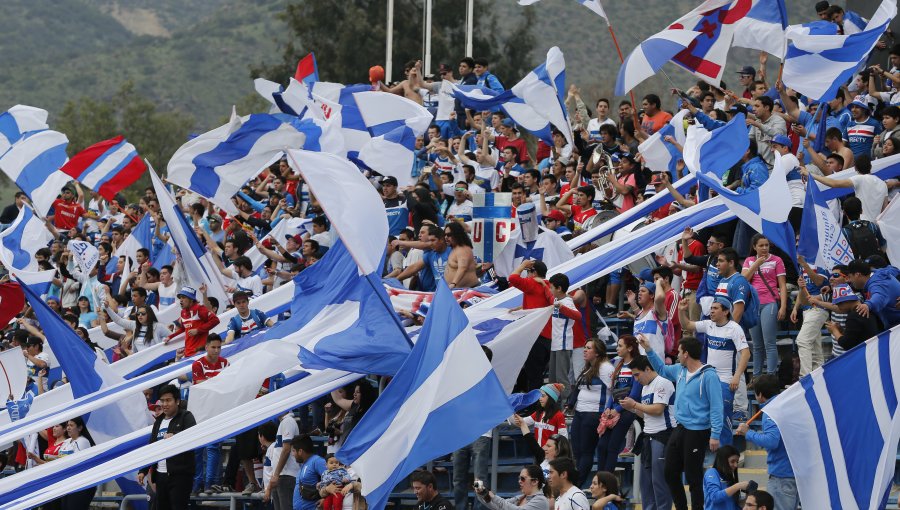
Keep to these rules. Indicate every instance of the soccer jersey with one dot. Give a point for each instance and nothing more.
(563, 319)
(654, 329)
(66, 214)
(659, 391)
(723, 343)
(861, 135)
(203, 369)
(287, 430)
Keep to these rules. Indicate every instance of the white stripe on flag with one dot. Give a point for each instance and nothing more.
(820, 389)
(873, 370)
(108, 166)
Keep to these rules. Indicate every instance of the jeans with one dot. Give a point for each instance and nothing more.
(727, 435)
(784, 491)
(477, 453)
(611, 443)
(283, 495)
(584, 442)
(655, 493)
(765, 346)
(172, 491)
(809, 340)
(531, 377)
(685, 452)
(206, 478)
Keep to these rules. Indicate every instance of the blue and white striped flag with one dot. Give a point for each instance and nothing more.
(841, 427)
(33, 163)
(650, 55)
(17, 121)
(822, 242)
(817, 65)
(660, 155)
(593, 5)
(19, 242)
(481, 98)
(426, 410)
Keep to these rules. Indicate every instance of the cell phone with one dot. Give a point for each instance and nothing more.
(752, 486)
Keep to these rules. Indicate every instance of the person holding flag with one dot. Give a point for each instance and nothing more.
(196, 322)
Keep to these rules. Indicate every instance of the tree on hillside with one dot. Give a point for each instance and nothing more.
(348, 37)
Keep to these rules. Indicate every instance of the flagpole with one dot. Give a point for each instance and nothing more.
(389, 44)
(622, 61)
(470, 22)
(427, 69)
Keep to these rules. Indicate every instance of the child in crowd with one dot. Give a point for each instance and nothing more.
(334, 474)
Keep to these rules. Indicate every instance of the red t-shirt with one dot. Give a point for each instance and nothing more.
(580, 216)
(544, 429)
(660, 213)
(502, 142)
(203, 369)
(534, 295)
(66, 214)
(196, 317)
(691, 280)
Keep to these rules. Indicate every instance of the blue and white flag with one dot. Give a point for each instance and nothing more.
(822, 242)
(660, 155)
(33, 164)
(426, 410)
(492, 205)
(17, 121)
(593, 5)
(494, 240)
(383, 112)
(481, 98)
(841, 427)
(853, 22)
(649, 57)
(339, 320)
(817, 65)
(714, 152)
(763, 27)
(22, 239)
(199, 267)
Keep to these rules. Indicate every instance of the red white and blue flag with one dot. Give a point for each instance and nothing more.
(307, 70)
(106, 167)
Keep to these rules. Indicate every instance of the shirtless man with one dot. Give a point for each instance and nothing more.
(412, 71)
(460, 270)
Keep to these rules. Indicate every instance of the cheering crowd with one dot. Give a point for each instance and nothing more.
(673, 385)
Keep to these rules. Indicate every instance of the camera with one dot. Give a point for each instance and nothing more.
(478, 485)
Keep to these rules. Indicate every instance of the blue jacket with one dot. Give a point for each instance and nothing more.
(714, 497)
(770, 440)
(708, 122)
(698, 400)
(883, 290)
(755, 173)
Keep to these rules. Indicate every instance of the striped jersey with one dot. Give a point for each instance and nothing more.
(563, 324)
(723, 343)
(203, 369)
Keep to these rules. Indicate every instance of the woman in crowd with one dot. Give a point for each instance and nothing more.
(555, 447)
(720, 483)
(766, 273)
(605, 491)
(588, 398)
(55, 436)
(146, 331)
(364, 395)
(616, 421)
(84, 335)
(334, 416)
(78, 439)
(87, 318)
(549, 419)
(533, 497)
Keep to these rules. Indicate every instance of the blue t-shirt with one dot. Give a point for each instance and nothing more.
(310, 474)
(861, 135)
(435, 263)
(735, 287)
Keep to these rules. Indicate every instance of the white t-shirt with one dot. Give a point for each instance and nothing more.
(33, 369)
(594, 127)
(269, 462)
(723, 343)
(163, 429)
(654, 330)
(71, 446)
(563, 328)
(871, 191)
(659, 391)
(796, 186)
(167, 295)
(460, 210)
(592, 400)
(287, 430)
(252, 284)
(572, 499)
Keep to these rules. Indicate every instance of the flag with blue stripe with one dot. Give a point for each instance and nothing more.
(481, 98)
(715, 152)
(22, 239)
(816, 65)
(822, 241)
(426, 410)
(33, 164)
(841, 427)
(593, 5)
(650, 55)
(660, 155)
(17, 121)
(492, 205)
(763, 27)
(106, 167)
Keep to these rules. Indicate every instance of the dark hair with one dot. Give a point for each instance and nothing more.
(302, 443)
(152, 271)
(640, 362)
(590, 191)
(322, 221)
(706, 94)
(653, 99)
(863, 164)
(837, 157)
(424, 477)
(763, 498)
(755, 239)
(753, 148)
(892, 110)
(549, 177)
(766, 101)
(853, 208)
(730, 255)
(859, 266)
(536, 473)
(563, 446)
(631, 343)
(664, 271)
(140, 290)
(591, 370)
(691, 346)
(834, 133)
(480, 61)
(367, 397)
(468, 61)
(268, 430)
(609, 481)
(565, 465)
(458, 234)
(539, 268)
(560, 280)
(244, 262)
(549, 410)
(79, 421)
(610, 129)
(721, 464)
(767, 385)
(213, 337)
(171, 389)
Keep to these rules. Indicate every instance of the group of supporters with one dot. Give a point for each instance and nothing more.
(674, 388)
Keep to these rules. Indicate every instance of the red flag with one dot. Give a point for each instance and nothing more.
(307, 70)
(12, 301)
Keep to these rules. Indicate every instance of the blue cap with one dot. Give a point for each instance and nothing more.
(842, 292)
(650, 286)
(508, 123)
(859, 104)
(188, 292)
(724, 301)
(646, 275)
(782, 140)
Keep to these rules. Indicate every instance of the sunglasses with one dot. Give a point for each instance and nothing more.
(142, 314)
(524, 478)
(837, 275)
(460, 189)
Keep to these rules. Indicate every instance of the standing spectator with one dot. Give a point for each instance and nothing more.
(766, 273)
(196, 321)
(863, 236)
(657, 409)
(871, 190)
(562, 481)
(856, 328)
(285, 467)
(173, 476)
(764, 126)
(782, 484)
(424, 486)
(336, 475)
(809, 302)
(564, 317)
(67, 210)
(266, 436)
(721, 487)
(601, 119)
(548, 420)
(78, 439)
(364, 395)
(146, 330)
(615, 421)
(698, 393)
(485, 78)
(882, 291)
(649, 313)
(654, 119)
(246, 320)
(589, 395)
(205, 368)
(312, 467)
(862, 130)
(536, 294)
(746, 76)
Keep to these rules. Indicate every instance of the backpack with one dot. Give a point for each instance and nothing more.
(750, 318)
(861, 236)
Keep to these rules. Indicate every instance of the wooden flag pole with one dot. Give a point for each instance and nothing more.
(634, 115)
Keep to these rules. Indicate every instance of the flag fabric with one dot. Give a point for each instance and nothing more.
(840, 426)
(383, 112)
(889, 223)
(289, 227)
(217, 163)
(106, 167)
(339, 321)
(492, 239)
(307, 70)
(593, 5)
(19, 120)
(85, 256)
(822, 241)
(883, 168)
(650, 55)
(22, 239)
(660, 155)
(482, 98)
(817, 65)
(199, 268)
(548, 247)
(853, 22)
(33, 164)
(423, 414)
(492, 205)
(15, 373)
(12, 301)
(405, 299)
(714, 152)
(763, 27)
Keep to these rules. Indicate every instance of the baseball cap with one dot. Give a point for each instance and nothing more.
(843, 292)
(782, 140)
(747, 70)
(297, 238)
(650, 286)
(376, 73)
(389, 181)
(724, 301)
(646, 275)
(649, 190)
(555, 214)
(240, 295)
(508, 123)
(860, 104)
(188, 292)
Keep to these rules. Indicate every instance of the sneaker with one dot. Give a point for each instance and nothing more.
(250, 489)
(626, 452)
(216, 489)
(610, 311)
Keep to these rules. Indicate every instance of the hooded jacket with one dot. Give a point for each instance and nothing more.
(882, 291)
(698, 399)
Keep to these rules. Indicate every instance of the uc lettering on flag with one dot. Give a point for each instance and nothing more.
(491, 235)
